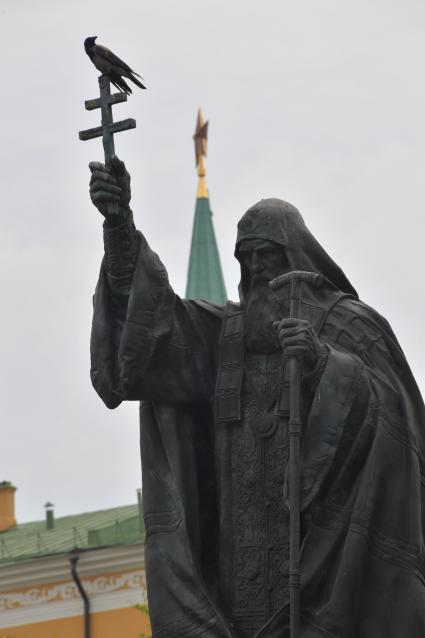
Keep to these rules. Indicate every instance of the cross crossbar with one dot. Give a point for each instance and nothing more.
(114, 98)
(116, 127)
(108, 127)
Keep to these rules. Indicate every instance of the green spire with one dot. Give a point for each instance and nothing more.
(205, 278)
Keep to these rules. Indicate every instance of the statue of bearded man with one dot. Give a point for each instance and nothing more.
(214, 437)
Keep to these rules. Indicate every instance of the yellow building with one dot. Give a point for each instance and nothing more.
(74, 576)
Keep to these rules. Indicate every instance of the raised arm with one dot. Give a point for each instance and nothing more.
(147, 343)
(121, 242)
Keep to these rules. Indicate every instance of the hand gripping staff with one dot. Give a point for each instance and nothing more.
(296, 279)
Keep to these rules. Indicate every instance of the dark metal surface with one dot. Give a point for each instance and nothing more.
(293, 362)
(114, 98)
(108, 127)
(115, 127)
(216, 416)
(294, 428)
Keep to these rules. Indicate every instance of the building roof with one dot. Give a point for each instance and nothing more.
(116, 526)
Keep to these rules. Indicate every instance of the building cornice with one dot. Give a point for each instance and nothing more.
(53, 569)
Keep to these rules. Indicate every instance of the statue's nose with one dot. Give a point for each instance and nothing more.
(255, 262)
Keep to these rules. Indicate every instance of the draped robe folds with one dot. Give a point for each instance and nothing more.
(362, 554)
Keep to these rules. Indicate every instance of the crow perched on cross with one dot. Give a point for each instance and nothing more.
(111, 65)
(108, 127)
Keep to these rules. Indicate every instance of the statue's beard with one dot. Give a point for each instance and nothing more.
(263, 306)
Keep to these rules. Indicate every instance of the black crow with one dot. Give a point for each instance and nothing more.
(109, 64)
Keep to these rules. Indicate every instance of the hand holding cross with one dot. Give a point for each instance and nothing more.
(107, 129)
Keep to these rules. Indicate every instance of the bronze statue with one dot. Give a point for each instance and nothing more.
(215, 440)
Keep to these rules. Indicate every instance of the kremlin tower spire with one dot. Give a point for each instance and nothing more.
(205, 278)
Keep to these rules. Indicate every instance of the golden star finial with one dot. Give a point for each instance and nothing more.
(200, 138)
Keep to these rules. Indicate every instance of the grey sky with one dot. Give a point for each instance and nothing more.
(320, 102)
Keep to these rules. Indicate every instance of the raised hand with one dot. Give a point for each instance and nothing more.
(110, 184)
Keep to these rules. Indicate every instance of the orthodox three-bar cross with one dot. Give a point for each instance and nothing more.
(108, 128)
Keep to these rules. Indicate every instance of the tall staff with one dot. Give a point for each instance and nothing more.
(293, 368)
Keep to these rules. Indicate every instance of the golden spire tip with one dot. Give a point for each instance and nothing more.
(200, 138)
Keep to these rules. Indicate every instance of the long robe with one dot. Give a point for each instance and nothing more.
(362, 554)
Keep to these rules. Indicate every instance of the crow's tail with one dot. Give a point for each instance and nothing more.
(121, 84)
(136, 81)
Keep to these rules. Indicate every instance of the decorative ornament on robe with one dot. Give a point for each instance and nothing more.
(362, 552)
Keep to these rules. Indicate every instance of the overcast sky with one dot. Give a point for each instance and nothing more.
(319, 102)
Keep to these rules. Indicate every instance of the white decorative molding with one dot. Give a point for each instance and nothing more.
(41, 613)
(68, 590)
(52, 569)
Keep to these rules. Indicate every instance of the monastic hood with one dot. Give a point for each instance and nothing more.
(275, 220)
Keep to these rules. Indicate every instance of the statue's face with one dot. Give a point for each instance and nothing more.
(262, 260)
